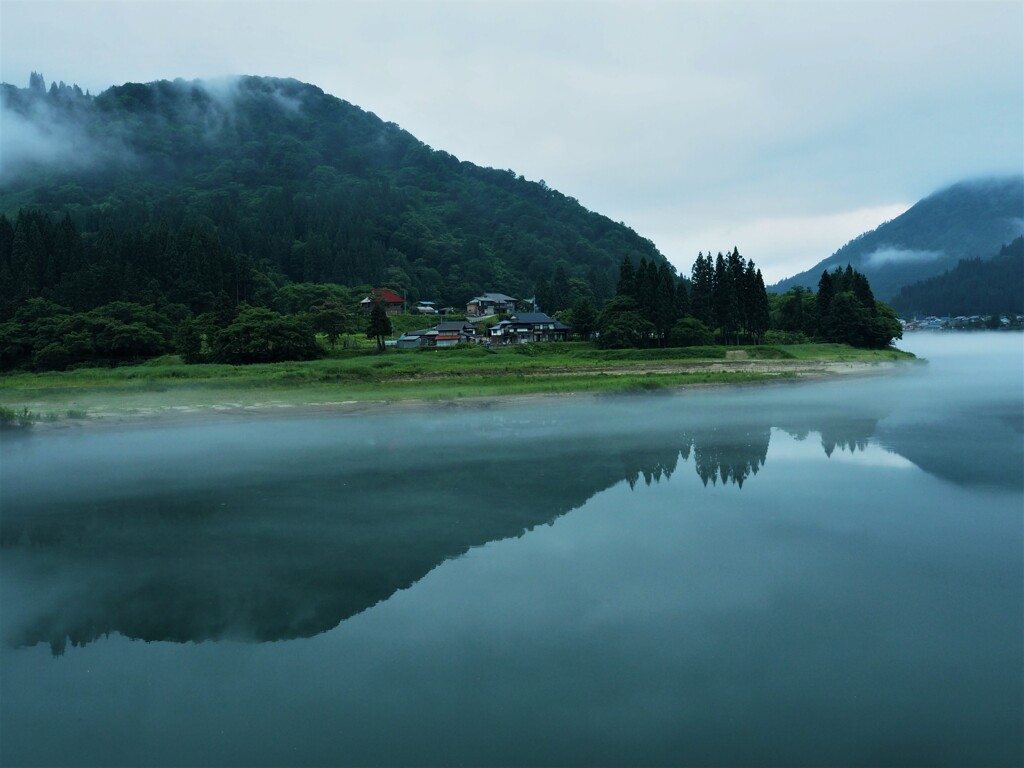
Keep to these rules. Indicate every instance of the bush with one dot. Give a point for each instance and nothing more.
(263, 336)
(691, 332)
(9, 417)
(785, 337)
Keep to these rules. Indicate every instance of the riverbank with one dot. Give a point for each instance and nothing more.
(166, 390)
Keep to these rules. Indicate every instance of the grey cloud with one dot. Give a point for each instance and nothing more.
(891, 255)
(33, 134)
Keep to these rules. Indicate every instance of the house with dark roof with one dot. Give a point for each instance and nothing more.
(446, 334)
(456, 326)
(413, 339)
(491, 304)
(394, 304)
(529, 326)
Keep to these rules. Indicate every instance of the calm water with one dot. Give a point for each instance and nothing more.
(809, 574)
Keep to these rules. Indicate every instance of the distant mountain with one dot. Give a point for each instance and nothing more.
(279, 182)
(970, 220)
(973, 287)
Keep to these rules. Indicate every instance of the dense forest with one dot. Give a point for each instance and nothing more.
(243, 221)
(199, 192)
(844, 310)
(973, 287)
(725, 302)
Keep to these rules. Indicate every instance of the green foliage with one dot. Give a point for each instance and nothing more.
(260, 335)
(973, 287)
(46, 336)
(583, 319)
(655, 308)
(691, 332)
(201, 199)
(626, 329)
(14, 417)
(795, 312)
(785, 337)
(844, 311)
(379, 325)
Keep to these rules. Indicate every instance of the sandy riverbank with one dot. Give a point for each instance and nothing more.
(111, 410)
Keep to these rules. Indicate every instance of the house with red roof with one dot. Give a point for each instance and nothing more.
(394, 304)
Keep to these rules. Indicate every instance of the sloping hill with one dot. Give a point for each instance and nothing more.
(297, 185)
(973, 287)
(969, 220)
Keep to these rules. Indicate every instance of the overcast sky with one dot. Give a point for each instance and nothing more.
(783, 128)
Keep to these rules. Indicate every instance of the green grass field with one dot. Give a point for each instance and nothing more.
(166, 383)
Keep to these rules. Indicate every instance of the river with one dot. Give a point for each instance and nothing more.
(812, 573)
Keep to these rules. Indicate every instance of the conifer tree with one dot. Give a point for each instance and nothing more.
(664, 313)
(702, 290)
(760, 318)
(380, 325)
(682, 300)
(560, 290)
(626, 285)
(826, 292)
(725, 303)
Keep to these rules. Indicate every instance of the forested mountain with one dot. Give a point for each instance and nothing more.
(970, 220)
(204, 193)
(973, 287)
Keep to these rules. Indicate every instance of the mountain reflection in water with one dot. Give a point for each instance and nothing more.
(269, 530)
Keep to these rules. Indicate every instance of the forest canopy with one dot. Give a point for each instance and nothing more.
(243, 221)
(190, 192)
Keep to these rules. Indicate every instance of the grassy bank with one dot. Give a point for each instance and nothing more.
(399, 375)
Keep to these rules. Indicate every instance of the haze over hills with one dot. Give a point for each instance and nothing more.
(969, 220)
(282, 182)
(209, 191)
(973, 287)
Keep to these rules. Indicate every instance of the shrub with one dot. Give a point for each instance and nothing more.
(691, 332)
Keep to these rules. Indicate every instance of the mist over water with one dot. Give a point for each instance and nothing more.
(803, 574)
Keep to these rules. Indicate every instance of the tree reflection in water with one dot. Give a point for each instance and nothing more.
(300, 525)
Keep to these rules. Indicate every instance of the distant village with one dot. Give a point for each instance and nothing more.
(964, 322)
(522, 321)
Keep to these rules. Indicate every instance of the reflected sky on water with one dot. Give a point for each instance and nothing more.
(817, 573)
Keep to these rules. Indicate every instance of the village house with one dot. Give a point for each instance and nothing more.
(394, 304)
(491, 304)
(529, 326)
(441, 335)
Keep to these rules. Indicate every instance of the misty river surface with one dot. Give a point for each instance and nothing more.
(813, 573)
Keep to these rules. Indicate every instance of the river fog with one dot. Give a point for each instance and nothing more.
(811, 573)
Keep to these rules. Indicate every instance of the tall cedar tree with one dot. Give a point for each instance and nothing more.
(702, 290)
(380, 324)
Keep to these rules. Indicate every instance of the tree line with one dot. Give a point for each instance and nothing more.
(844, 311)
(724, 301)
(68, 301)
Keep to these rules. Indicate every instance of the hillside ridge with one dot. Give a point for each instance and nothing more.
(301, 184)
(970, 219)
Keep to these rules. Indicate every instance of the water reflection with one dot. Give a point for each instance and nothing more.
(270, 530)
(273, 530)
